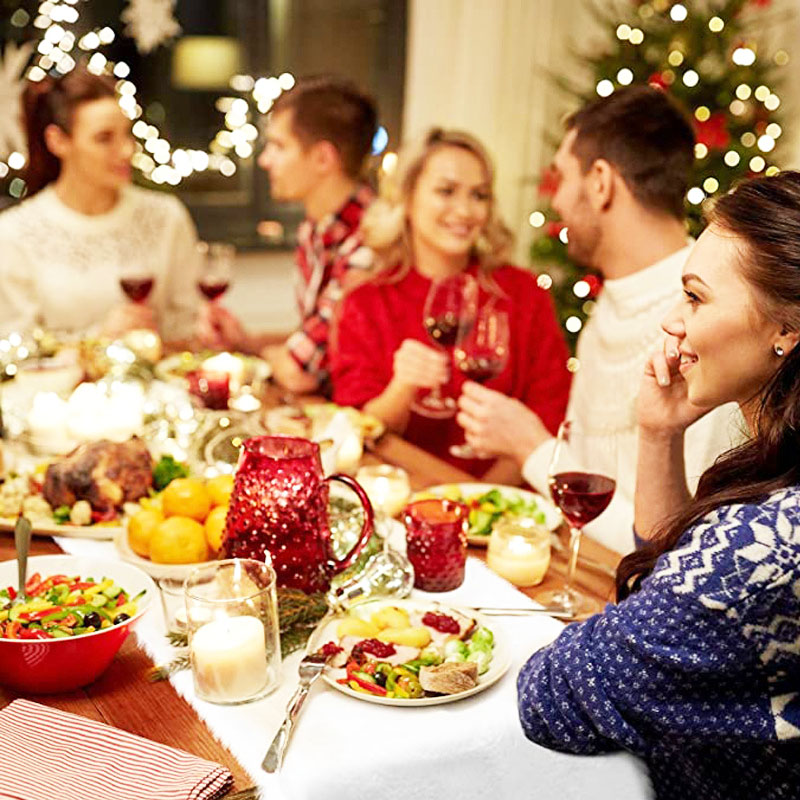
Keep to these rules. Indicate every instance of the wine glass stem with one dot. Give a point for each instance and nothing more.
(574, 547)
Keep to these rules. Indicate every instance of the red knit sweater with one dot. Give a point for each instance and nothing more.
(375, 318)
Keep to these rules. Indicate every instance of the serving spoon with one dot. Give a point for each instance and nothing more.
(22, 543)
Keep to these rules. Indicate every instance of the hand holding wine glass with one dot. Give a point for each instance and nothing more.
(582, 483)
(481, 352)
(449, 303)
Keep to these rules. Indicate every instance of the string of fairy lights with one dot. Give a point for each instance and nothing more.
(753, 147)
(156, 157)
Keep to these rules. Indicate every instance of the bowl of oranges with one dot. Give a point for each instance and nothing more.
(178, 528)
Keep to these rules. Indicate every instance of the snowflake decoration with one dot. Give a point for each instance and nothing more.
(150, 23)
(11, 85)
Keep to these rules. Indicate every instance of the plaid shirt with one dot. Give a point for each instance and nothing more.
(326, 252)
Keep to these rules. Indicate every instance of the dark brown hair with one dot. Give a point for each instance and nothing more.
(764, 215)
(645, 134)
(327, 108)
(52, 101)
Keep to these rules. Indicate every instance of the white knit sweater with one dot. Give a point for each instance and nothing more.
(612, 350)
(60, 268)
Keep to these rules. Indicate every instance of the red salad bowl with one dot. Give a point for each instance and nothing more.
(42, 666)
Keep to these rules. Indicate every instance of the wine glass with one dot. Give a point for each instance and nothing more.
(481, 353)
(582, 481)
(216, 268)
(449, 305)
(137, 283)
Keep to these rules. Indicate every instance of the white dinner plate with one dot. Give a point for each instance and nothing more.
(100, 532)
(552, 516)
(326, 632)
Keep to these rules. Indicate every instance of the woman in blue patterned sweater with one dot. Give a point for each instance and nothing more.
(697, 669)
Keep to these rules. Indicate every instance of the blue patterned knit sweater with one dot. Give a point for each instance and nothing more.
(698, 672)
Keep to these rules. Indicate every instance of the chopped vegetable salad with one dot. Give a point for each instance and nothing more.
(62, 606)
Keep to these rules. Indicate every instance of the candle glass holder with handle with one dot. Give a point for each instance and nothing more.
(582, 480)
(232, 622)
(481, 353)
(449, 305)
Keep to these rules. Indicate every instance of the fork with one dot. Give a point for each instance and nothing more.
(310, 668)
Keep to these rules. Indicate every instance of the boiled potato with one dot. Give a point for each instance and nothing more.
(390, 617)
(411, 637)
(353, 626)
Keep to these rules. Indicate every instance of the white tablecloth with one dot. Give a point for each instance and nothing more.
(343, 749)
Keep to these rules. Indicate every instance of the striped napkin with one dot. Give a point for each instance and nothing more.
(52, 754)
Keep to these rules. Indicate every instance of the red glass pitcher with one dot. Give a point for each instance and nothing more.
(280, 505)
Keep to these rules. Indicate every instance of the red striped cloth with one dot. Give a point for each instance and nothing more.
(51, 754)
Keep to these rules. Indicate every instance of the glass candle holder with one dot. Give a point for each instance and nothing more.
(234, 639)
(212, 389)
(173, 600)
(519, 550)
(386, 486)
(436, 538)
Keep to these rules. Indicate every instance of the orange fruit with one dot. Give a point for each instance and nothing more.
(219, 489)
(178, 540)
(186, 497)
(215, 526)
(141, 527)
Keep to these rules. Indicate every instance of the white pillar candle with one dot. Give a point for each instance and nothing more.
(229, 659)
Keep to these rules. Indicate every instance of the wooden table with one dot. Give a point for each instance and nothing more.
(124, 698)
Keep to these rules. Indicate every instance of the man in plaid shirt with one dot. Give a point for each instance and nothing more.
(318, 136)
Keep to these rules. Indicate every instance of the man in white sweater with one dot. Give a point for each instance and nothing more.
(623, 169)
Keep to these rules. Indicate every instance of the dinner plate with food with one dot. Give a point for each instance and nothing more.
(410, 653)
(82, 494)
(309, 420)
(488, 503)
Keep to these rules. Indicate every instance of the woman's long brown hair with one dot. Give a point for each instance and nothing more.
(52, 101)
(764, 215)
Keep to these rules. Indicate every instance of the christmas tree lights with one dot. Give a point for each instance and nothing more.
(59, 40)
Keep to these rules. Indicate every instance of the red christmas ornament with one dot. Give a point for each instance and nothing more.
(656, 80)
(713, 132)
(548, 182)
(554, 228)
(761, 3)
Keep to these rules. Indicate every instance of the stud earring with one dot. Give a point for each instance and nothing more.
(778, 350)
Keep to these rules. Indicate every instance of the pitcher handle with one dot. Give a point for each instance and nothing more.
(335, 565)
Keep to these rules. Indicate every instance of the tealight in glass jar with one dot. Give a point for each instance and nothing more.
(519, 550)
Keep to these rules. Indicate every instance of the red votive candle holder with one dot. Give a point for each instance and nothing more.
(436, 534)
(212, 389)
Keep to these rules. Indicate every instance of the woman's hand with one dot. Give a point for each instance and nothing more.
(127, 317)
(219, 329)
(663, 407)
(416, 364)
(498, 425)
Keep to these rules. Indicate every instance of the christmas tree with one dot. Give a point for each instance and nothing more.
(708, 54)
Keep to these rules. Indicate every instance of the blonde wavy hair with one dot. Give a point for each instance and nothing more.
(385, 224)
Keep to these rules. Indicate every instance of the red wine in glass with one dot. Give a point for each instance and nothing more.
(581, 478)
(582, 496)
(448, 303)
(481, 353)
(137, 288)
(211, 290)
(443, 330)
(480, 368)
